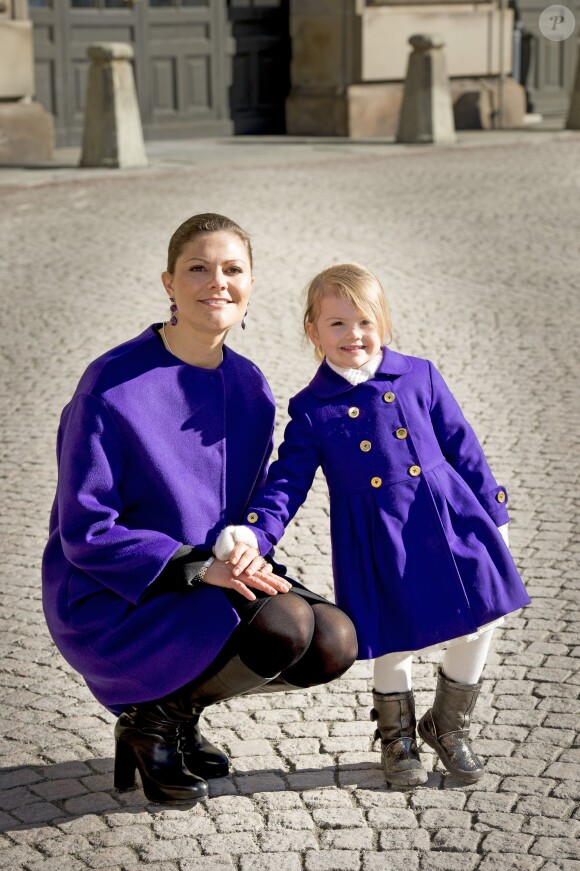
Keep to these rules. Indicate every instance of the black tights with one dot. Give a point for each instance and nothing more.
(309, 644)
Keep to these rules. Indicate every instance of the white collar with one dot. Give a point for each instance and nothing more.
(363, 373)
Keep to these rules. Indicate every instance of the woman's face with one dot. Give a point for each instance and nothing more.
(212, 281)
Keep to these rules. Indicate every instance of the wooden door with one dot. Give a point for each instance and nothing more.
(552, 64)
(261, 71)
(182, 61)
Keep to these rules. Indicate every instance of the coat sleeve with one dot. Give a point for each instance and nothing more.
(289, 480)
(90, 508)
(462, 450)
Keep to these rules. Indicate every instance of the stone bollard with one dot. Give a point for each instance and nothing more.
(112, 132)
(573, 119)
(427, 110)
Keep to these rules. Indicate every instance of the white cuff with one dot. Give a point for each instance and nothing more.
(230, 536)
(503, 531)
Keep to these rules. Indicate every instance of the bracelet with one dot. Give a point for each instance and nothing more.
(200, 574)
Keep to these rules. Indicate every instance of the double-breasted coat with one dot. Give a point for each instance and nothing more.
(414, 508)
(152, 454)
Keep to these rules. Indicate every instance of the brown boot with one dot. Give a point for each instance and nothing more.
(445, 727)
(395, 717)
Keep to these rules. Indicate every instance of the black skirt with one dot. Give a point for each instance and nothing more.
(247, 609)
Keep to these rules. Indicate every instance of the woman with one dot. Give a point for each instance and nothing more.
(162, 444)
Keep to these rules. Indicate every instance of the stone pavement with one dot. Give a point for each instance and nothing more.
(478, 249)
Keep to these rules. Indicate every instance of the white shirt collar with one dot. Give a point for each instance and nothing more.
(363, 373)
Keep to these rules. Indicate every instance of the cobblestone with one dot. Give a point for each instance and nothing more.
(478, 251)
(402, 860)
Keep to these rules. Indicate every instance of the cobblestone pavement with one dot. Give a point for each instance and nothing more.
(478, 249)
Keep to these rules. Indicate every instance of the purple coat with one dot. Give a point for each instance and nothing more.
(414, 507)
(152, 454)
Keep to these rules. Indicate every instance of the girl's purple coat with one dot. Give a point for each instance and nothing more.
(417, 560)
(152, 454)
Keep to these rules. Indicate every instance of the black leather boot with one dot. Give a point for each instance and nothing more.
(445, 727)
(276, 685)
(200, 756)
(147, 740)
(234, 679)
(394, 714)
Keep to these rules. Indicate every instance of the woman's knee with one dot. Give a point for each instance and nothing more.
(282, 631)
(333, 649)
(335, 636)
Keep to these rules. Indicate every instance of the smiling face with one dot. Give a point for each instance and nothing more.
(211, 282)
(346, 335)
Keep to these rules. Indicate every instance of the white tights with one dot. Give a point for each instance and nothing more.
(462, 662)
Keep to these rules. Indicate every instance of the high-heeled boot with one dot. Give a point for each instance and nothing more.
(234, 679)
(200, 756)
(147, 739)
(445, 727)
(394, 714)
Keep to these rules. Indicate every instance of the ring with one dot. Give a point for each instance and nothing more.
(263, 563)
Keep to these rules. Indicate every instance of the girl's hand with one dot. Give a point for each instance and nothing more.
(248, 560)
(220, 574)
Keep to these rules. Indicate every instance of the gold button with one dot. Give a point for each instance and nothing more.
(401, 433)
(365, 446)
(500, 496)
(252, 517)
(414, 471)
(389, 397)
(376, 482)
(353, 411)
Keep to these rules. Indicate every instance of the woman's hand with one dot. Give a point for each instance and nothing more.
(249, 570)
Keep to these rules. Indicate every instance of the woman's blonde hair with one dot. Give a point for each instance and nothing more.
(356, 285)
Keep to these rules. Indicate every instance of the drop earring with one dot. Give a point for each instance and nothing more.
(173, 310)
(244, 318)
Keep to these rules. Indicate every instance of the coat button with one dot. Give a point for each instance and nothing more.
(389, 397)
(500, 496)
(365, 446)
(414, 471)
(353, 411)
(401, 433)
(376, 482)
(252, 517)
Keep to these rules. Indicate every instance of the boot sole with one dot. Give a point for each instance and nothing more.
(414, 777)
(162, 798)
(207, 772)
(465, 776)
(166, 800)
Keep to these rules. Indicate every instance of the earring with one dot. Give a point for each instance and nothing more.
(244, 319)
(173, 310)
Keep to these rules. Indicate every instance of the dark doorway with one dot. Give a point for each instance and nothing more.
(261, 65)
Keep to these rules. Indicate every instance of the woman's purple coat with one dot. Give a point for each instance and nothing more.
(152, 453)
(417, 558)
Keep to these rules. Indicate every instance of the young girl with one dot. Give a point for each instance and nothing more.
(418, 522)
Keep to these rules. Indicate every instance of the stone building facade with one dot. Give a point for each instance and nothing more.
(319, 67)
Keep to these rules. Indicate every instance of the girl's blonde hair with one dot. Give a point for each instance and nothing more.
(356, 285)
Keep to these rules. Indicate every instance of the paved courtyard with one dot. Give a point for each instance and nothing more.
(478, 249)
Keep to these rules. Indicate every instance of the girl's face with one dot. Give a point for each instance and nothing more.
(211, 282)
(347, 337)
